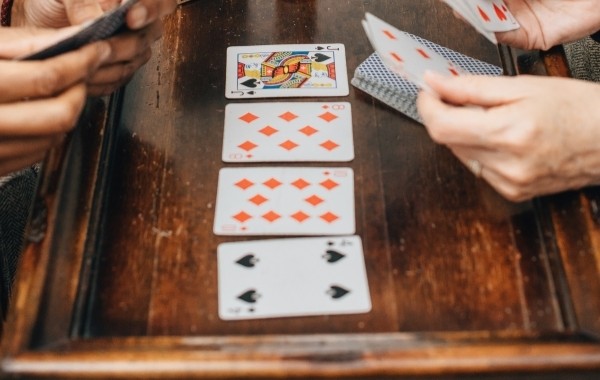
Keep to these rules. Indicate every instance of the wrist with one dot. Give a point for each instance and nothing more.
(5, 12)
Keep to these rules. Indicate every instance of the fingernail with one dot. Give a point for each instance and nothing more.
(138, 15)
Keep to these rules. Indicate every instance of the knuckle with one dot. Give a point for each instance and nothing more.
(436, 134)
(46, 82)
(436, 129)
(521, 177)
(66, 115)
(513, 194)
(525, 137)
(433, 124)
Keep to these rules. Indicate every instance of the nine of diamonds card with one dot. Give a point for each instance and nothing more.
(288, 132)
(285, 201)
(269, 71)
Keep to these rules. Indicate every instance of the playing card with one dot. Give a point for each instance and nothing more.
(292, 277)
(486, 16)
(104, 27)
(285, 201)
(405, 55)
(373, 77)
(465, 12)
(492, 15)
(270, 71)
(263, 132)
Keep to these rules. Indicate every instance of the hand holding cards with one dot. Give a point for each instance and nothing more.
(486, 16)
(404, 55)
(102, 28)
(396, 71)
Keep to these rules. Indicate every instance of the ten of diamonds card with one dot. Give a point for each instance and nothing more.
(285, 201)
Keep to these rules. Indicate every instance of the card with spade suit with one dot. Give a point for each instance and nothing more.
(269, 71)
(292, 277)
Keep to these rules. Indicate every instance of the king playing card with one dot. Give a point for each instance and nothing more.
(292, 277)
(288, 132)
(271, 71)
(285, 201)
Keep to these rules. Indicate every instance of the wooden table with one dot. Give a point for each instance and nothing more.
(118, 278)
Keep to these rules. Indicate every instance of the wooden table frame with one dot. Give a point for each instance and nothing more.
(59, 268)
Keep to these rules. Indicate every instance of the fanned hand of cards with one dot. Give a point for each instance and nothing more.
(486, 16)
(106, 26)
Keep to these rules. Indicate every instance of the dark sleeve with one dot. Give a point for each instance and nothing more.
(596, 36)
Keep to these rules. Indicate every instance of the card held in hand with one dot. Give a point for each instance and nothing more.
(270, 71)
(292, 277)
(285, 201)
(376, 79)
(404, 55)
(486, 16)
(102, 28)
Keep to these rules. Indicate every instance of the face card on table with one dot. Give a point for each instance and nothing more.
(404, 55)
(285, 201)
(288, 132)
(292, 277)
(109, 24)
(270, 71)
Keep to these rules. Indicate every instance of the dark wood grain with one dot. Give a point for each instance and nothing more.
(176, 293)
(122, 280)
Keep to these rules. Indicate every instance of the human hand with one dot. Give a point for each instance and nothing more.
(61, 13)
(131, 49)
(40, 100)
(546, 23)
(526, 136)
